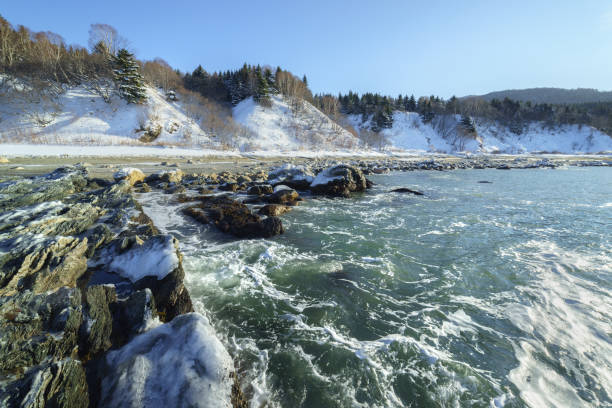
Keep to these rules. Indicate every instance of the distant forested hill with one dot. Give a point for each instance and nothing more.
(550, 95)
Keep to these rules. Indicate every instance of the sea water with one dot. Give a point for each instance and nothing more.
(473, 295)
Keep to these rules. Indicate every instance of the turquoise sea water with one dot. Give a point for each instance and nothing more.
(475, 295)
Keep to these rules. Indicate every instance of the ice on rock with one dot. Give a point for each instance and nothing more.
(324, 177)
(155, 257)
(177, 364)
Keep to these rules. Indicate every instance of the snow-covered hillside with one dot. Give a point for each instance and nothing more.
(81, 116)
(442, 135)
(285, 127)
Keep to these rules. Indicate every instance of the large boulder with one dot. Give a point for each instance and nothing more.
(154, 263)
(130, 174)
(260, 189)
(234, 217)
(338, 181)
(298, 177)
(173, 176)
(177, 364)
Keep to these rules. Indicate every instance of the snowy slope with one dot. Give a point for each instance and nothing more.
(283, 128)
(411, 134)
(79, 116)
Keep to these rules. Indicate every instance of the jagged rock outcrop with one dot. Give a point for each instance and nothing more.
(57, 384)
(35, 327)
(58, 299)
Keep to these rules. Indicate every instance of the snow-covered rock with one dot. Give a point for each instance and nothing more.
(155, 257)
(177, 364)
(132, 175)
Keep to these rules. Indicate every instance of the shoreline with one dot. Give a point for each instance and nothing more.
(105, 166)
(77, 200)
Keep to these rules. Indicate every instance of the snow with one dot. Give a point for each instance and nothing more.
(78, 122)
(325, 176)
(80, 116)
(410, 134)
(282, 128)
(177, 364)
(289, 171)
(155, 257)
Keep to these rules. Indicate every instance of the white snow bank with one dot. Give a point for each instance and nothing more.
(155, 257)
(409, 133)
(177, 364)
(286, 127)
(80, 116)
(46, 150)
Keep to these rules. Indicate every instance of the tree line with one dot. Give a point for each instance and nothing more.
(44, 58)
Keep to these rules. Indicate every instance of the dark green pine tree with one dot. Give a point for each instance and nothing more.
(262, 92)
(128, 78)
(305, 80)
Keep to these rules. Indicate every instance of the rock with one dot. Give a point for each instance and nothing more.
(154, 263)
(17, 168)
(243, 179)
(144, 188)
(380, 170)
(298, 177)
(186, 365)
(282, 196)
(100, 322)
(174, 176)
(406, 190)
(274, 210)
(339, 181)
(56, 384)
(36, 327)
(260, 189)
(229, 187)
(41, 264)
(485, 182)
(3, 160)
(234, 217)
(133, 315)
(53, 186)
(130, 174)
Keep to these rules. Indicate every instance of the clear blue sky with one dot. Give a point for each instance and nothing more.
(422, 47)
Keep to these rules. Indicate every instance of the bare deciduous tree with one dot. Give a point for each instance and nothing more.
(107, 36)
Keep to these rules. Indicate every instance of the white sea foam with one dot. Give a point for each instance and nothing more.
(571, 317)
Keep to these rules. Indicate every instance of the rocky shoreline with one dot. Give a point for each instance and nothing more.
(91, 293)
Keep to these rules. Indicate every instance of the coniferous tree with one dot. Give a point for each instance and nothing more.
(128, 78)
(262, 92)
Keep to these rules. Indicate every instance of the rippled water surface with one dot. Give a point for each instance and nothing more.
(478, 294)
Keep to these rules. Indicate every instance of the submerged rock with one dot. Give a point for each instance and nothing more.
(178, 364)
(406, 190)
